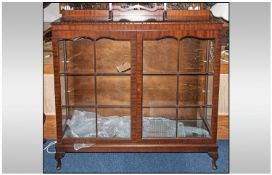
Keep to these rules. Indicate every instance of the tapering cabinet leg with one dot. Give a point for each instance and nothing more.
(214, 156)
(58, 157)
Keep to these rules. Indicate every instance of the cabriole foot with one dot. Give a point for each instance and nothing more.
(214, 156)
(58, 164)
(58, 157)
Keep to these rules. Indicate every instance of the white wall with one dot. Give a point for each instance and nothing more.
(221, 10)
(51, 13)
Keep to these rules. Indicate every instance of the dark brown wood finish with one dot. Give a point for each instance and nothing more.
(136, 32)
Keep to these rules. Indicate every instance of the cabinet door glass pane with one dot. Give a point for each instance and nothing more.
(160, 56)
(159, 90)
(78, 54)
(81, 122)
(80, 90)
(113, 90)
(195, 113)
(191, 90)
(194, 54)
(113, 122)
(159, 122)
(192, 128)
(113, 56)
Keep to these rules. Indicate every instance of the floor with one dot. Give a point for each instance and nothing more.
(139, 162)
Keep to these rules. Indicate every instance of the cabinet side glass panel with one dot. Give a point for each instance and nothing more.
(209, 89)
(64, 117)
(79, 90)
(211, 55)
(208, 119)
(62, 90)
(76, 56)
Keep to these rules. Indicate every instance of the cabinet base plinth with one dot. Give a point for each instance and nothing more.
(211, 149)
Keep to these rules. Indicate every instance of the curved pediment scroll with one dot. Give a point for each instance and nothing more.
(137, 12)
(94, 39)
(195, 37)
(137, 7)
(79, 38)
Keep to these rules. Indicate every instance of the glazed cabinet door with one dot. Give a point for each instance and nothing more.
(177, 86)
(96, 86)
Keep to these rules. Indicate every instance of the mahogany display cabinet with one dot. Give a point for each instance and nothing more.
(136, 81)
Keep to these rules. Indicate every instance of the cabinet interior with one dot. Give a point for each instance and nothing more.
(96, 89)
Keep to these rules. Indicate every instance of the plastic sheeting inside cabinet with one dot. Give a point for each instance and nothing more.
(83, 124)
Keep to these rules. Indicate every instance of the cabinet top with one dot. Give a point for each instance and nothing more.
(136, 17)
